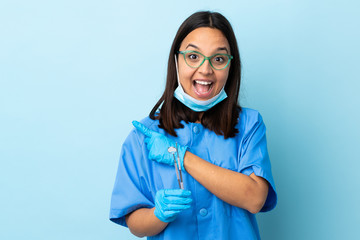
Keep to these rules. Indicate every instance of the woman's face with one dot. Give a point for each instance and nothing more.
(204, 82)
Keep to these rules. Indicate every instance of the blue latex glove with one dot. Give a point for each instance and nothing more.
(170, 202)
(158, 145)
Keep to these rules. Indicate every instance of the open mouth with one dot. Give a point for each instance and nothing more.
(203, 88)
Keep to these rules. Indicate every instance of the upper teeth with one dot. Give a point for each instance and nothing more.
(202, 82)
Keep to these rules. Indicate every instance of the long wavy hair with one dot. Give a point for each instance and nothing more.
(223, 117)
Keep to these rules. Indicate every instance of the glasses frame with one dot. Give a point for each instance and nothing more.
(206, 58)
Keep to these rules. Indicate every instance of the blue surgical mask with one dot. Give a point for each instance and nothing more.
(192, 103)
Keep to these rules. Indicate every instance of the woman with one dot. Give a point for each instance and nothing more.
(221, 147)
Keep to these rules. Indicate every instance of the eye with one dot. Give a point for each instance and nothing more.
(192, 56)
(219, 59)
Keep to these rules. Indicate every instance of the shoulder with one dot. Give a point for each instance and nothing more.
(249, 115)
(249, 119)
(150, 123)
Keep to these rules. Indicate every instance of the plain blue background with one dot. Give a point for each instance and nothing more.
(74, 74)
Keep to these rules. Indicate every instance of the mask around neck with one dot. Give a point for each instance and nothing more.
(192, 103)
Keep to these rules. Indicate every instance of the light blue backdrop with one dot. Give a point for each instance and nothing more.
(74, 74)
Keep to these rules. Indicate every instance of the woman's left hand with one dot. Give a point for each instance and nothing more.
(158, 146)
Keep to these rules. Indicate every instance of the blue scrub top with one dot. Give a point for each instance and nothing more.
(138, 179)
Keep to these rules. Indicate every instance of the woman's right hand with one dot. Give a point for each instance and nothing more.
(158, 146)
(170, 202)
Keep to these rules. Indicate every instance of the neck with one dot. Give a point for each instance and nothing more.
(200, 117)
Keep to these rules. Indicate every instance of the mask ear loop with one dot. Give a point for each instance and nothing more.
(177, 71)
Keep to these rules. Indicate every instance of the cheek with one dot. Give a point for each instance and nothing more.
(185, 75)
(223, 78)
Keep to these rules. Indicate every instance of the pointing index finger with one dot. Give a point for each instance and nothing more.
(142, 128)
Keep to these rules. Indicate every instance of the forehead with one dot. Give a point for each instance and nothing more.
(206, 39)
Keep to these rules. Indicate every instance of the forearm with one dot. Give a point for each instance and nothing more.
(143, 222)
(248, 192)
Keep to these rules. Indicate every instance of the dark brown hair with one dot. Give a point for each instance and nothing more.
(222, 118)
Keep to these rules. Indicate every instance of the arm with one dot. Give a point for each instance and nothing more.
(168, 204)
(248, 192)
(142, 222)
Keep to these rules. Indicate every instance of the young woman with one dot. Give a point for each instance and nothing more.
(221, 147)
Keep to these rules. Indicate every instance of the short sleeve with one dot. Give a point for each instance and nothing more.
(255, 158)
(128, 194)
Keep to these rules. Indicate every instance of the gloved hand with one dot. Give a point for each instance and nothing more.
(170, 202)
(158, 145)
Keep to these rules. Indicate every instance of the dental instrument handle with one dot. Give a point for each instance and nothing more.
(178, 161)
(176, 170)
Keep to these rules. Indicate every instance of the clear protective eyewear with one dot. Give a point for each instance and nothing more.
(195, 59)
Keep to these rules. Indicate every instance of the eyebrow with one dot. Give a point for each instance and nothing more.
(218, 49)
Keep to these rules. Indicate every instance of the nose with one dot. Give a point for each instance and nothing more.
(206, 68)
